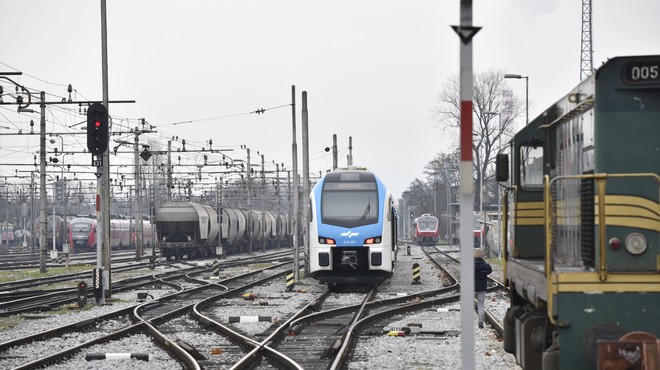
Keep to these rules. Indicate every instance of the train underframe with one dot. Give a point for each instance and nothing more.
(191, 250)
(188, 250)
(351, 265)
(582, 324)
(427, 240)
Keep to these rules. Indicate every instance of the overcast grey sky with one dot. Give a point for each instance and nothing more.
(371, 68)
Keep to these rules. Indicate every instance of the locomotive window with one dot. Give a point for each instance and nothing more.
(81, 227)
(531, 165)
(426, 225)
(349, 207)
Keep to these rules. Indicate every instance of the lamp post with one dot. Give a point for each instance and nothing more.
(511, 75)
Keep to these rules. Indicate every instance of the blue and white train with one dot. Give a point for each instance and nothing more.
(353, 228)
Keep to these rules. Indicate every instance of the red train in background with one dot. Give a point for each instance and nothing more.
(426, 229)
(82, 234)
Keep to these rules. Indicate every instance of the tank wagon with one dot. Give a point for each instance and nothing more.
(187, 229)
(192, 230)
(581, 225)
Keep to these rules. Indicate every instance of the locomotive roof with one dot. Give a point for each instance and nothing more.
(350, 175)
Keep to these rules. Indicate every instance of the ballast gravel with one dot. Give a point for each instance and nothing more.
(373, 351)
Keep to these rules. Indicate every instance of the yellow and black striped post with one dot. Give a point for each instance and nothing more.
(290, 282)
(216, 268)
(416, 272)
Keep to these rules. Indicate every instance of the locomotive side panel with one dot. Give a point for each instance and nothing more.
(582, 221)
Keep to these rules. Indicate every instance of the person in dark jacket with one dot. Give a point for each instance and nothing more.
(481, 271)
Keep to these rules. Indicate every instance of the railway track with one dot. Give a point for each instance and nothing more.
(20, 261)
(323, 339)
(324, 330)
(402, 320)
(140, 320)
(14, 299)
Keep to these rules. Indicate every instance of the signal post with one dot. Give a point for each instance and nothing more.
(97, 143)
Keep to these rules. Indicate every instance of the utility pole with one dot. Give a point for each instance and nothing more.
(138, 197)
(279, 204)
(249, 209)
(296, 207)
(350, 151)
(218, 196)
(306, 183)
(262, 222)
(105, 177)
(334, 152)
(42, 185)
(169, 170)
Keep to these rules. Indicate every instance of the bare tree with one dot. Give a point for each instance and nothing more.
(442, 173)
(420, 196)
(493, 120)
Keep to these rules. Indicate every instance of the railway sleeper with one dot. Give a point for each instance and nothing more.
(332, 350)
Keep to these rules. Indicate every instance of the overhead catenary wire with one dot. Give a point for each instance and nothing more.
(194, 154)
(257, 111)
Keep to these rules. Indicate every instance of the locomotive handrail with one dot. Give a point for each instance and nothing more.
(504, 242)
(504, 226)
(580, 108)
(601, 182)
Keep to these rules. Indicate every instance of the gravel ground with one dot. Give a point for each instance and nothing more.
(429, 351)
(30, 323)
(384, 352)
(270, 300)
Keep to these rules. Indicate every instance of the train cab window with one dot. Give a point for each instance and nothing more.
(531, 166)
(349, 204)
(426, 225)
(80, 227)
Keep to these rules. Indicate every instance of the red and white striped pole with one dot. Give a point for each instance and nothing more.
(465, 32)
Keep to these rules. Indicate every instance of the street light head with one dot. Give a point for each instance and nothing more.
(511, 75)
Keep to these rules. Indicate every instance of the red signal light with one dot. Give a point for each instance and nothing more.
(97, 129)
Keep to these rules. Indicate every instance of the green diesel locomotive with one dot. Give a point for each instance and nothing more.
(581, 223)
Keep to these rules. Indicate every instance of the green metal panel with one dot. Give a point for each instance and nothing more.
(584, 312)
(627, 121)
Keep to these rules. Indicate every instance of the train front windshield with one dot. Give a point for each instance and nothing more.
(349, 204)
(81, 227)
(426, 225)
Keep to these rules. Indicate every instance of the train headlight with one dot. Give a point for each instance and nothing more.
(375, 240)
(323, 240)
(636, 243)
